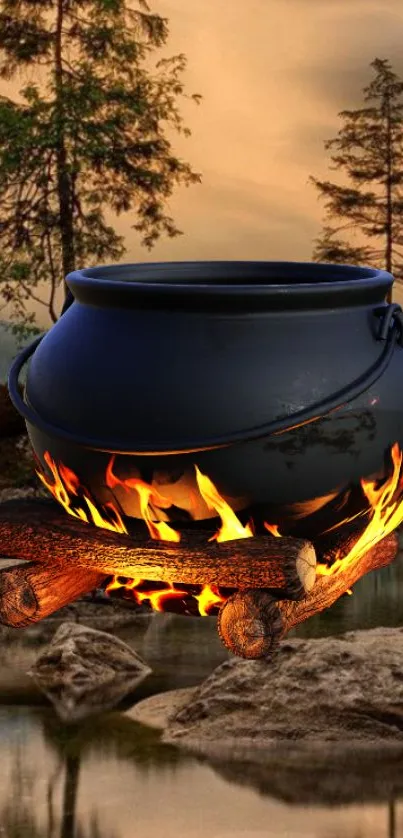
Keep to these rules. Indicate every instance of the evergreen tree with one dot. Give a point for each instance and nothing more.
(368, 150)
(89, 134)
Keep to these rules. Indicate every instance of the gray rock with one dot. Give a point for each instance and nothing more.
(330, 693)
(84, 671)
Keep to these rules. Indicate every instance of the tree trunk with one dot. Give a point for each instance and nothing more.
(389, 197)
(63, 175)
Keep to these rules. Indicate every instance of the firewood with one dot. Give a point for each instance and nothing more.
(279, 618)
(37, 530)
(328, 589)
(250, 624)
(31, 592)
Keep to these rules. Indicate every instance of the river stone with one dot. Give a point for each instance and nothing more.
(84, 671)
(329, 693)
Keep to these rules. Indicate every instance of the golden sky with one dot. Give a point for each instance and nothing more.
(274, 74)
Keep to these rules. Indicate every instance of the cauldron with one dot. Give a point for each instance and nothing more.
(282, 381)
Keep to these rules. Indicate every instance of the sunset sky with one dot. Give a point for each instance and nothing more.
(273, 75)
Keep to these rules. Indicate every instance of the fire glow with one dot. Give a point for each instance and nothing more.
(384, 510)
(386, 513)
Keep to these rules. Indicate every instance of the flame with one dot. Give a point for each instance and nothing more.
(273, 529)
(231, 526)
(156, 598)
(129, 584)
(386, 513)
(207, 599)
(160, 531)
(66, 483)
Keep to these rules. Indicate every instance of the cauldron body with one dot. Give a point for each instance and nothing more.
(281, 381)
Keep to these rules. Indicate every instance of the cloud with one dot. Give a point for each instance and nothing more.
(341, 67)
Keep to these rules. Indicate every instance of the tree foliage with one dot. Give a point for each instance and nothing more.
(90, 135)
(368, 150)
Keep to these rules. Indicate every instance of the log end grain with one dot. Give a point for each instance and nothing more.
(250, 624)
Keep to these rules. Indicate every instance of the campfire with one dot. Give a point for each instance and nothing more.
(261, 528)
(259, 585)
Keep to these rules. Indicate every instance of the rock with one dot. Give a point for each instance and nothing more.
(11, 423)
(156, 710)
(14, 493)
(321, 723)
(84, 671)
(333, 692)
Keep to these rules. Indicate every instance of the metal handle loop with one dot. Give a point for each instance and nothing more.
(391, 315)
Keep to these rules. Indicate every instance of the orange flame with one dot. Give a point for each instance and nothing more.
(207, 599)
(385, 504)
(386, 513)
(273, 529)
(66, 483)
(231, 526)
(160, 531)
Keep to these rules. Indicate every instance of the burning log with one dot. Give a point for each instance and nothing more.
(75, 557)
(251, 623)
(34, 591)
(273, 578)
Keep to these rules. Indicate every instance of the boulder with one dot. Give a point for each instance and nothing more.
(328, 690)
(321, 723)
(84, 671)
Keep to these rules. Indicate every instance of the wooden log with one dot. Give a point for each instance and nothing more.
(31, 592)
(250, 624)
(38, 530)
(278, 618)
(328, 589)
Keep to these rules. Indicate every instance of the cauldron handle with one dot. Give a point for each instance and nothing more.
(390, 330)
(20, 360)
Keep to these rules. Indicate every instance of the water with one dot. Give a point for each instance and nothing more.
(110, 777)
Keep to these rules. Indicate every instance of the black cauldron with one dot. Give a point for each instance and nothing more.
(282, 381)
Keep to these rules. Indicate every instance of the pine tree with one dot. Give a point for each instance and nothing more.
(368, 150)
(90, 134)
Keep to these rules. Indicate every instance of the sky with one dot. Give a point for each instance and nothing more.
(274, 75)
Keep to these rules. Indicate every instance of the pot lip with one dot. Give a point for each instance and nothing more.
(230, 281)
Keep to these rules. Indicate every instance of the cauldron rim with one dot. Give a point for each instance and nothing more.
(284, 284)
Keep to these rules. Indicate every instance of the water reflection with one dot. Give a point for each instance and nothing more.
(112, 778)
(319, 777)
(47, 765)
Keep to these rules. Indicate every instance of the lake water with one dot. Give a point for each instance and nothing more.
(112, 778)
